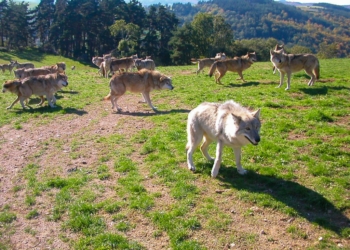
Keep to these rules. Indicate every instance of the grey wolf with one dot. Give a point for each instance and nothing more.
(18, 65)
(227, 124)
(43, 85)
(207, 62)
(22, 73)
(122, 63)
(145, 64)
(143, 81)
(220, 56)
(290, 63)
(5, 67)
(277, 47)
(98, 62)
(237, 64)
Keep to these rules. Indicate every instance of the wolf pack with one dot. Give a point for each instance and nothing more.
(227, 124)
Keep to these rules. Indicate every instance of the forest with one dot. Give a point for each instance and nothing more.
(173, 34)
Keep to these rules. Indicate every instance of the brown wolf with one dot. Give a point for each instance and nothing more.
(237, 64)
(290, 63)
(43, 85)
(143, 81)
(58, 67)
(22, 73)
(122, 63)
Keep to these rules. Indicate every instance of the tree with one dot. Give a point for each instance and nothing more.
(18, 20)
(3, 17)
(182, 45)
(129, 34)
(203, 33)
(223, 35)
(44, 13)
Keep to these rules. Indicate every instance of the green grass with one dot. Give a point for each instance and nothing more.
(300, 169)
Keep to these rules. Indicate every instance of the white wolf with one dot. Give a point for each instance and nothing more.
(228, 124)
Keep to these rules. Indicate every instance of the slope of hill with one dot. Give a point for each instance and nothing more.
(307, 26)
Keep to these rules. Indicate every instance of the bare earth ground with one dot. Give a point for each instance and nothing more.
(21, 147)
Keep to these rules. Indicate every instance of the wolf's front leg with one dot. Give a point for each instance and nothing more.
(238, 154)
(148, 100)
(289, 75)
(50, 101)
(217, 162)
(281, 79)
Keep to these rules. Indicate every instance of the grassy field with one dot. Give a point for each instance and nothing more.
(94, 179)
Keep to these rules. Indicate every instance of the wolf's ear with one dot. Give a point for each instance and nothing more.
(236, 118)
(163, 77)
(256, 114)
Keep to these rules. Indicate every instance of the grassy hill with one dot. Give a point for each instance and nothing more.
(82, 177)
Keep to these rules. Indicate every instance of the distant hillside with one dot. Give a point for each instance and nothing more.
(307, 26)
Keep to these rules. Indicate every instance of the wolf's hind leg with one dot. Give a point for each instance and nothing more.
(281, 79)
(313, 77)
(204, 148)
(194, 137)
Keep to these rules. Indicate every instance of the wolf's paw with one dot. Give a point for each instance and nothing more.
(192, 168)
(9, 107)
(242, 171)
(286, 89)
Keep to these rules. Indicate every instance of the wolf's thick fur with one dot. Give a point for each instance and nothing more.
(145, 64)
(203, 63)
(237, 64)
(26, 65)
(22, 73)
(291, 63)
(5, 67)
(122, 63)
(43, 85)
(277, 47)
(207, 62)
(12, 87)
(143, 81)
(98, 61)
(58, 67)
(229, 124)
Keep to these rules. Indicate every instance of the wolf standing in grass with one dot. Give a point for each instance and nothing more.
(237, 64)
(290, 63)
(228, 124)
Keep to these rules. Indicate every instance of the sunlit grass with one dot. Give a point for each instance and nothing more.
(300, 169)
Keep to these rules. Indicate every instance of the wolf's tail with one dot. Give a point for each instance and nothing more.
(212, 69)
(317, 71)
(107, 97)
